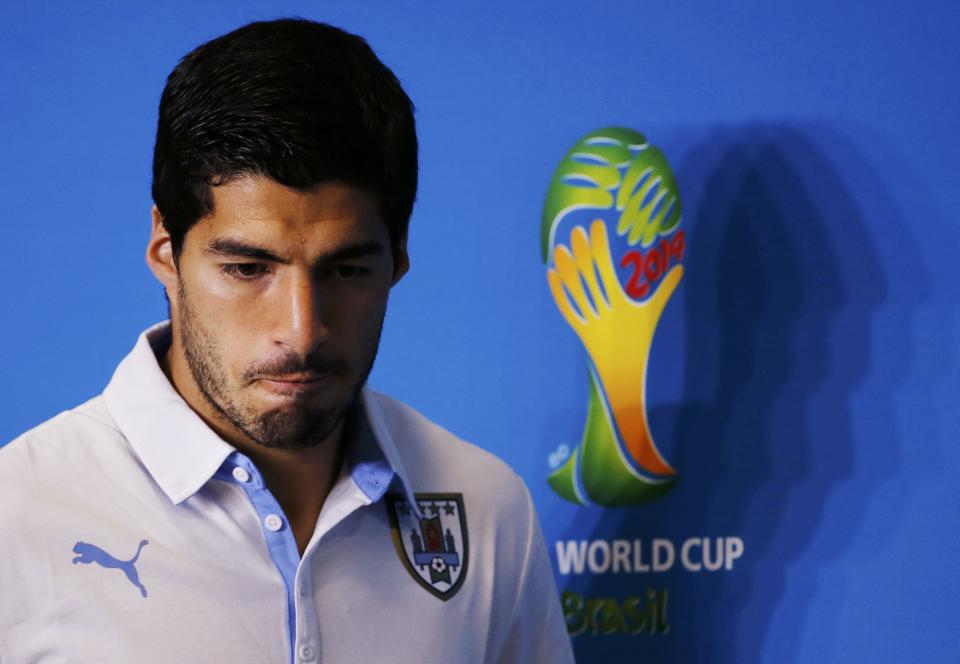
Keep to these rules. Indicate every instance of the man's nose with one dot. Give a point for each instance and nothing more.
(301, 325)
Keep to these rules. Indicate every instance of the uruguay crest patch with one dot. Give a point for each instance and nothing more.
(434, 548)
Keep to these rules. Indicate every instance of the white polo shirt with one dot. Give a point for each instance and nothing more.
(130, 532)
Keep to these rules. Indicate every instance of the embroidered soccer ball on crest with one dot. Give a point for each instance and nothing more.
(433, 544)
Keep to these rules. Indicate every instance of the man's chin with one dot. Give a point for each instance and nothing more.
(299, 422)
(283, 430)
(289, 415)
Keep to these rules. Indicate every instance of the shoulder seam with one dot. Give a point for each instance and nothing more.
(43, 429)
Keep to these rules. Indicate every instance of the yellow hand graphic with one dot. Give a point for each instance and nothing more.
(616, 331)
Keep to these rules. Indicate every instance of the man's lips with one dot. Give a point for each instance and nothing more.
(295, 378)
(292, 383)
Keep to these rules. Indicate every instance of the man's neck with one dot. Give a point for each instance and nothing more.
(300, 479)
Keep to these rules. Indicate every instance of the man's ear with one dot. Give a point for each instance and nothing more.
(401, 260)
(160, 254)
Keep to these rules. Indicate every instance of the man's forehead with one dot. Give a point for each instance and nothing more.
(256, 211)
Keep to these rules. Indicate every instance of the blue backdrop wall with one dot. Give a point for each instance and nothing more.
(803, 378)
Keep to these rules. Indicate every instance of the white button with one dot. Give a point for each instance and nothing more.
(307, 652)
(241, 474)
(273, 522)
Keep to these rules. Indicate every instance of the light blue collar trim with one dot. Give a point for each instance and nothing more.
(369, 468)
(377, 460)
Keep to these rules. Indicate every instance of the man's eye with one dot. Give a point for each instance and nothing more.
(349, 272)
(244, 271)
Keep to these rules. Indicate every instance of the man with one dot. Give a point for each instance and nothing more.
(236, 494)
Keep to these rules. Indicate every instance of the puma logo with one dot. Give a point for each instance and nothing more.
(88, 553)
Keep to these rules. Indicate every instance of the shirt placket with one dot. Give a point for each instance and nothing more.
(365, 483)
(278, 535)
(307, 636)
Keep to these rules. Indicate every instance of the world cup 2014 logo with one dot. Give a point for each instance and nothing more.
(613, 248)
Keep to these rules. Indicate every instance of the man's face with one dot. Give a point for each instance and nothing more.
(279, 304)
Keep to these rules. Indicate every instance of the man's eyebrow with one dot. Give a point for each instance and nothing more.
(233, 248)
(359, 250)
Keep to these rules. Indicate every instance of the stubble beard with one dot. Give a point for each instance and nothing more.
(299, 425)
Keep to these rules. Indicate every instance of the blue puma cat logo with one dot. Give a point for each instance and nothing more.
(88, 553)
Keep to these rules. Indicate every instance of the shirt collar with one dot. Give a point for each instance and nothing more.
(375, 449)
(182, 453)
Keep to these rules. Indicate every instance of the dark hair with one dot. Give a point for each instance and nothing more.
(296, 101)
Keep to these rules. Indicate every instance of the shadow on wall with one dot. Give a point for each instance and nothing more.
(782, 281)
